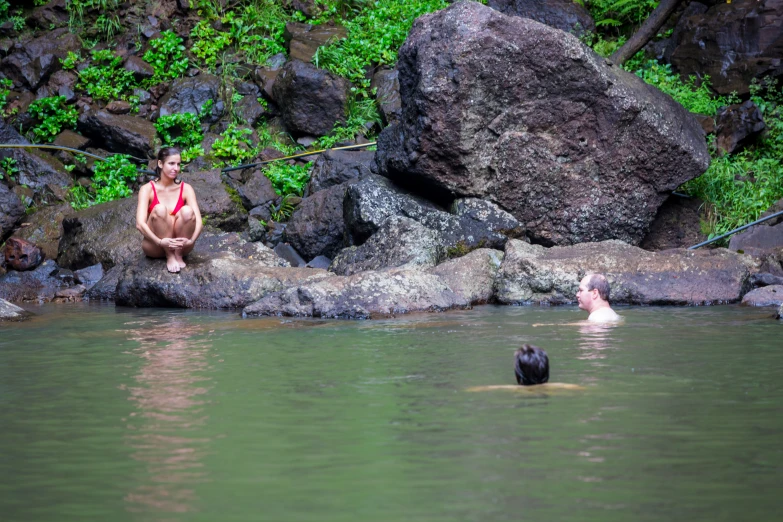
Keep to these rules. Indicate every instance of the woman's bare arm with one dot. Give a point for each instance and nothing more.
(142, 214)
(190, 199)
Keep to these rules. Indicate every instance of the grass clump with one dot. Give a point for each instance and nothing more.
(740, 187)
(288, 179)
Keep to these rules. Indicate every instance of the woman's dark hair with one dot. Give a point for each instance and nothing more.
(531, 365)
(164, 153)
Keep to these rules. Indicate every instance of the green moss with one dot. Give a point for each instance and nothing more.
(236, 198)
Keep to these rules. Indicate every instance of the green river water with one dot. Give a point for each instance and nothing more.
(114, 414)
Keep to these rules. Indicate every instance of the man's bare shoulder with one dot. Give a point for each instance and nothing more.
(535, 388)
(604, 315)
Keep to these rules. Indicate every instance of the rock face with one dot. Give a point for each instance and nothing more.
(733, 43)
(44, 228)
(765, 296)
(190, 95)
(120, 133)
(220, 208)
(311, 100)
(22, 255)
(317, 226)
(387, 83)
(38, 170)
(334, 167)
(304, 39)
(399, 242)
(216, 277)
(33, 286)
(10, 312)
(472, 277)
(36, 60)
(758, 240)
(510, 110)
(534, 274)
(737, 126)
(104, 234)
(11, 210)
(561, 14)
(361, 296)
(677, 225)
(474, 223)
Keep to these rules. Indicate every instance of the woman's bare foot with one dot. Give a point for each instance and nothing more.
(172, 264)
(178, 258)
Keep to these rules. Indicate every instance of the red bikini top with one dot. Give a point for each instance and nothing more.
(155, 200)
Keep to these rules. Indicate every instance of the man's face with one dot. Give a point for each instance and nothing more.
(584, 296)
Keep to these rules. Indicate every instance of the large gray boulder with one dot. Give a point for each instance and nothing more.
(361, 296)
(472, 277)
(508, 109)
(104, 234)
(216, 277)
(190, 95)
(317, 227)
(565, 15)
(473, 223)
(732, 42)
(120, 133)
(311, 100)
(399, 242)
(534, 274)
(11, 211)
(758, 240)
(334, 167)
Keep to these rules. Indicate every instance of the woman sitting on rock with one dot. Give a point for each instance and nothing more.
(167, 215)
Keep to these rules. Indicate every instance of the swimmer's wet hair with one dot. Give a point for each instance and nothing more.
(599, 282)
(531, 365)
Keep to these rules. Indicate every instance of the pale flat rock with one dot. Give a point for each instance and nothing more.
(764, 296)
(534, 274)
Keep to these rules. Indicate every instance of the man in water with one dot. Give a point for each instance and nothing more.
(593, 297)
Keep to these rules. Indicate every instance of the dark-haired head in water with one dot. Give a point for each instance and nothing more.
(531, 365)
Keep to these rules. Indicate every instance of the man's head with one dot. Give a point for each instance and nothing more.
(531, 365)
(593, 292)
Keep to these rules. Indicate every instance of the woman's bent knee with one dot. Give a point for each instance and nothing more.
(159, 212)
(186, 214)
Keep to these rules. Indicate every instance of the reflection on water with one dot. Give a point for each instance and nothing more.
(130, 415)
(169, 404)
(595, 339)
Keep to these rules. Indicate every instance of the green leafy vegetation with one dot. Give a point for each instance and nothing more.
(167, 57)
(112, 179)
(184, 131)
(8, 168)
(53, 115)
(375, 35)
(106, 79)
(287, 179)
(282, 211)
(619, 13)
(252, 33)
(5, 90)
(363, 119)
(233, 147)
